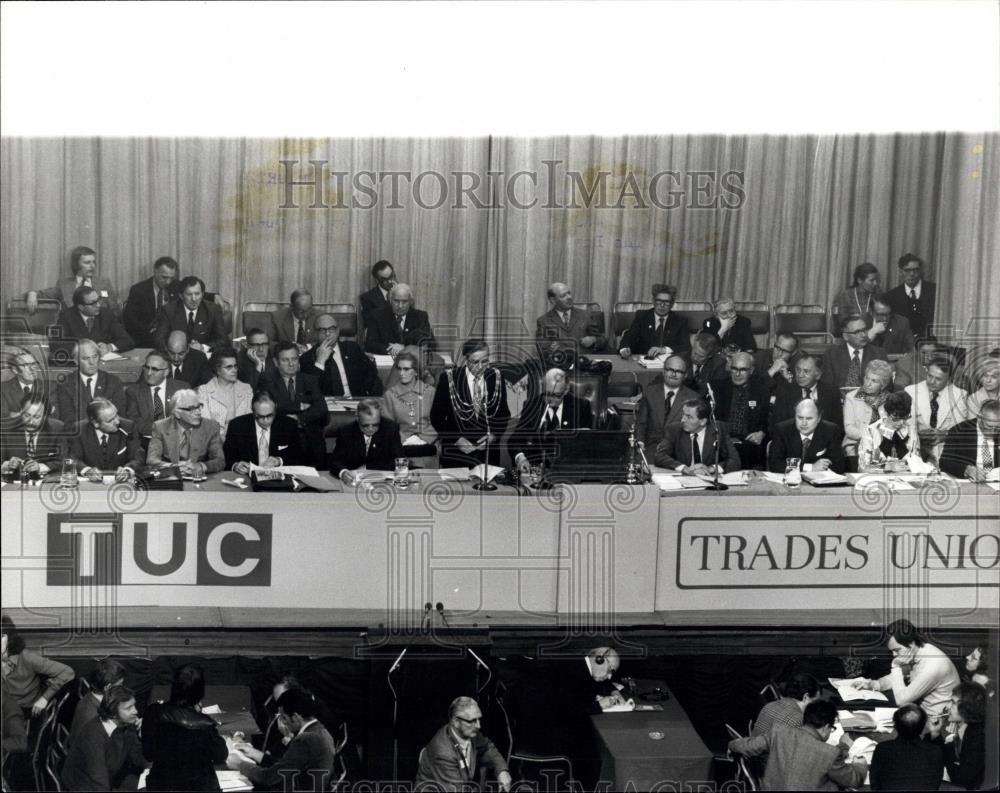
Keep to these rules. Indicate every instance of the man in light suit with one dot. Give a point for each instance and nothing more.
(101, 446)
(821, 440)
(185, 439)
(146, 298)
(200, 320)
(342, 367)
(262, 430)
(844, 364)
(295, 322)
(938, 405)
(83, 260)
(86, 320)
(914, 298)
(369, 443)
(657, 329)
(398, 325)
(563, 328)
(662, 401)
(148, 400)
(187, 364)
(554, 411)
(688, 446)
(298, 396)
(734, 331)
(377, 297)
(73, 396)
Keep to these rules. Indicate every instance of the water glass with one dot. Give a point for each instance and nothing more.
(67, 478)
(402, 477)
(793, 476)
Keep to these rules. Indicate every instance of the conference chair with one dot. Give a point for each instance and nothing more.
(807, 322)
(621, 319)
(759, 314)
(769, 693)
(743, 773)
(596, 313)
(695, 317)
(547, 772)
(257, 314)
(45, 316)
(346, 314)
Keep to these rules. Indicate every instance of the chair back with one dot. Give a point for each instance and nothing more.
(596, 313)
(45, 316)
(695, 318)
(257, 314)
(593, 388)
(552, 771)
(742, 768)
(769, 693)
(346, 314)
(623, 313)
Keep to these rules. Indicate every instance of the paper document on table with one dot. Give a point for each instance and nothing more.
(917, 465)
(883, 718)
(993, 476)
(667, 482)
(691, 482)
(650, 363)
(848, 693)
(112, 356)
(882, 481)
(486, 472)
(772, 477)
(414, 440)
(455, 474)
(383, 361)
(233, 780)
(625, 707)
(733, 479)
(862, 747)
(820, 478)
(211, 710)
(994, 485)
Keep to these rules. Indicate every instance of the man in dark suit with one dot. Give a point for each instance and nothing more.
(28, 380)
(148, 401)
(32, 443)
(187, 364)
(200, 320)
(844, 364)
(563, 332)
(146, 298)
(707, 364)
(73, 396)
(377, 297)
(662, 401)
(815, 442)
(555, 410)
(890, 331)
(775, 367)
(86, 320)
(914, 298)
(298, 396)
(262, 437)
(397, 325)
(370, 443)
(83, 261)
(657, 329)
(192, 443)
(907, 762)
(342, 367)
(972, 448)
(742, 400)
(101, 446)
(732, 329)
(689, 445)
(255, 363)
(807, 385)
(295, 322)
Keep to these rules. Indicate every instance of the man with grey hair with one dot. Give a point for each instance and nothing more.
(371, 442)
(554, 410)
(398, 325)
(844, 364)
(733, 330)
(564, 328)
(185, 439)
(101, 446)
(89, 383)
(742, 400)
(295, 322)
(452, 758)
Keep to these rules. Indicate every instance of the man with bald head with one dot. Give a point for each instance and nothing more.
(556, 410)
(341, 365)
(186, 363)
(397, 325)
(662, 401)
(564, 332)
(743, 402)
(89, 383)
(192, 443)
(815, 442)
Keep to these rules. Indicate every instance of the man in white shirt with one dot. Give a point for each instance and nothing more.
(938, 405)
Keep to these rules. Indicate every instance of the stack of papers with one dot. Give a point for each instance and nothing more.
(650, 363)
(625, 707)
(455, 474)
(894, 483)
(821, 478)
(383, 361)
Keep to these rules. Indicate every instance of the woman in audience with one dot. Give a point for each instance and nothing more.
(857, 298)
(863, 406)
(977, 668)
(986, 384)
(964, 739)
(892, 439)
(183, 744)
(24, 670)
(225, 397)
(408, 403)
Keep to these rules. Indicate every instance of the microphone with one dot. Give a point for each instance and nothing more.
(440, 610)
(484, 666)
(711, 394)
(399, 659)
(481, 662)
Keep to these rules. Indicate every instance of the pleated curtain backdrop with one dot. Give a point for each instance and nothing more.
(480, 226)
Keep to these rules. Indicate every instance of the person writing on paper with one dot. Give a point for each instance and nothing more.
(186, 440)
(369, 443)
(656, 330)
(920, 673)
(688, 447)
(263, 437)
(892, 440)
(972, 448)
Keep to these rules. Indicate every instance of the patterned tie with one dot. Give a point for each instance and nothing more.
(90, 388)
(854, 371)
(934, 411)
(290, 382)
(184, 447)
(738, 412)
(157, 405)
(104, 451)
(668, 403)
(300, 336)
(695, 449)
(32, 438)
(988, 454)
(659, 331)
(190, 326)
(263, 447)
(805, 447)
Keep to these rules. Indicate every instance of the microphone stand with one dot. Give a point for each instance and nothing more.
(716, 484)
(480, 663)
(485, 484)
(395, 713)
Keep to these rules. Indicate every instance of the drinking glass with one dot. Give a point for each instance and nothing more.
(793, 476)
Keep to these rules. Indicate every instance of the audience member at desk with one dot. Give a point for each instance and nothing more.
(657, 330)
(254, 362)
(182, 743)
(148, 400)
(106, 675)
(224, 397)
(107, 752)
(86, 320)
(454, 756)
(83, 261)
(707, 363)
(341, 365)
(732, 329)
(920, 673)
(844, 363)
(797, 692)
(910, 368)
(554, 411)
(186, 440)
(296, 322)
(964, 738)
(90, 383)
(859, 297)
(907, 762)
(200, 320)
(276, 732)
(32, 680)
(892, 441)
(865, 405)
(371, 442)
(938, 405)
(799, 758)
(28, 380)
(984, 383)
(397, 325)
(807, 384)
(298, 396)
(564, 331)
(972, 448)
(408, 403)
(815, 442)
(377, 297)
(689, 446)
(32, 444)
(307, 762)
(662, 402)
(890, 331)
(775, 367)
(262, 437)
(470, 409)
(743, 402)
(186, 363)
(914, 298)
(146, 298)
(101, 446)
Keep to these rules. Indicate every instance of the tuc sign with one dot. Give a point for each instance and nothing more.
(159, 548)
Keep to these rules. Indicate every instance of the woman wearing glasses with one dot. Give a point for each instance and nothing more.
(408, 403)
(224, 396)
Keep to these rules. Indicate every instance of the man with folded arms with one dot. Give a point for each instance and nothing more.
(100, 446)
(262, 437)
(816, 443)
(688, 446)
(341, 365)
(185, 439)
(657, 329)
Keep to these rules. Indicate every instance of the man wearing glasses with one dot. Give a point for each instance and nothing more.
(972, 448)
(914, 298)
(662, 401)
(807, 384)
(775, 366)
(657, 330)
(742, 400)
(255, 363)
(262, 437)
(28, 380)
(377, 297)
(732, 329)
(148, 400)
(844, 364)
(86, 320)
(186, 440)
(342, 367)
(397, 325)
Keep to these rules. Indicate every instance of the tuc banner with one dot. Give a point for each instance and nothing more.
(159, 548)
